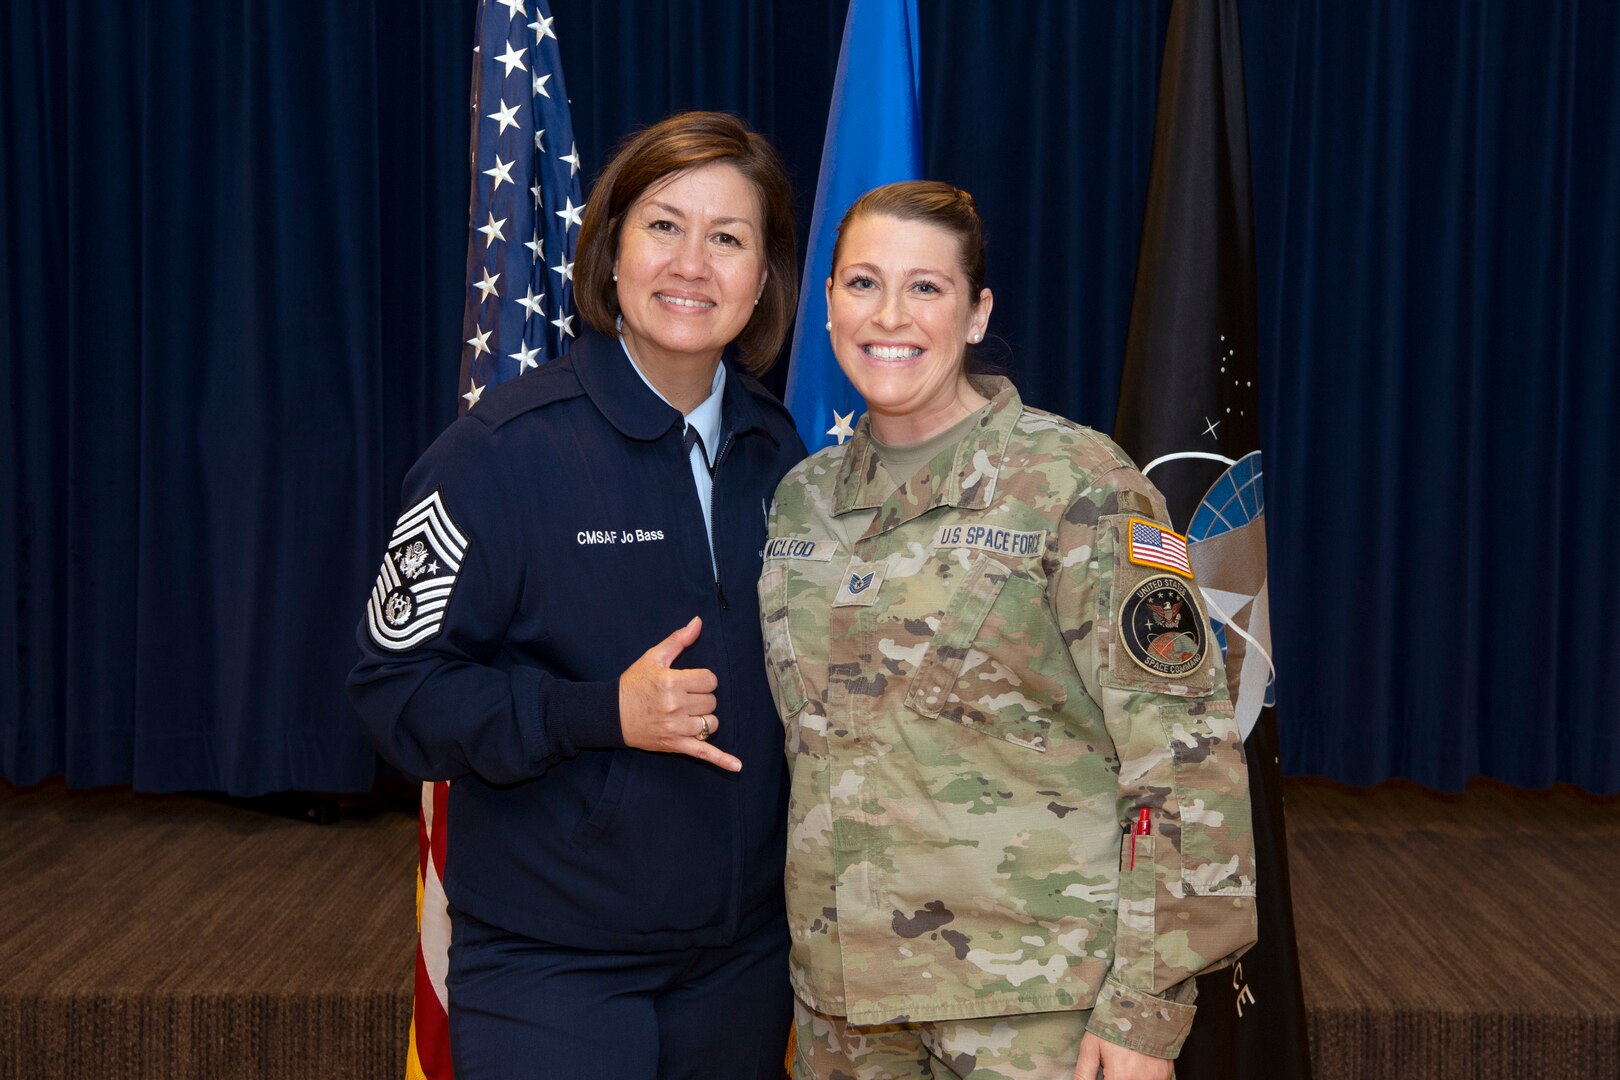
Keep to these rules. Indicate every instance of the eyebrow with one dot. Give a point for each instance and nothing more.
(676, 211)
(912, 272)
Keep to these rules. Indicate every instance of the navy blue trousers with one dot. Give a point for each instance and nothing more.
(526, 1008)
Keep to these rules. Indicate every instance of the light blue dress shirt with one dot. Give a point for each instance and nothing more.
(705, 420)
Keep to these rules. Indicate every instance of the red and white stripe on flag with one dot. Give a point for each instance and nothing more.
(429, 1053)
(1152, 545)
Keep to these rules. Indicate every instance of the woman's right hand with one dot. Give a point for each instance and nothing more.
(667, 709)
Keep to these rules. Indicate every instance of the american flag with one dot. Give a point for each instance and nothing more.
(1153, 546)
(523, 220)
(526, 205)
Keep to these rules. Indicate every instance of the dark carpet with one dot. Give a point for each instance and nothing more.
(1452, 937)
(163, 936)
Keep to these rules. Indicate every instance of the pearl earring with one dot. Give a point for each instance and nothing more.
(615, 276)
(974, 339)
(829, 324)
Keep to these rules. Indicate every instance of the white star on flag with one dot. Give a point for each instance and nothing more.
(572, 157)
(514, 309)
(474, 394)
(502, 172)
(492, 231)
(841, 428)
(512, 59)
(525, 356)
(506, 116)
(487, 285)
(531, 303)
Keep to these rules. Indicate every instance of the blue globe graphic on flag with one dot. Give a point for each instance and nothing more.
(1235, 500)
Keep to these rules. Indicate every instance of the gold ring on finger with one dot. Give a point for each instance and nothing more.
(703, 735)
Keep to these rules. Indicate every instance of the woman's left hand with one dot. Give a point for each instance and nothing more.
(1118, 1063)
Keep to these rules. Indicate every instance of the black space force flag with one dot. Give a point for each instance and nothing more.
(1188, 415)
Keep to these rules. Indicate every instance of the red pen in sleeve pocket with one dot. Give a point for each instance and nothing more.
(1144, 827)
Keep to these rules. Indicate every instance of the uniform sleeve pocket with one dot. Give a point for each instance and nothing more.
(1134, 920)
(1212, 789)
(978, 671)
(781, 663)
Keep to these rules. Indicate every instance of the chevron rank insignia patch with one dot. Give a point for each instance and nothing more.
(417, 577)
(860, 584)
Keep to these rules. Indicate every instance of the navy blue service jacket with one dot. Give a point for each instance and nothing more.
(550, 538)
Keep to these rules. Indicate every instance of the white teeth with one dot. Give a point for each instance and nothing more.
(680, 302)
(891, 352)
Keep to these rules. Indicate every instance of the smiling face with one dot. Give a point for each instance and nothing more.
(902, 313)
(691, 263)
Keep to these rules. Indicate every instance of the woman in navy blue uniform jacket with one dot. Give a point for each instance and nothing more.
(565, 626)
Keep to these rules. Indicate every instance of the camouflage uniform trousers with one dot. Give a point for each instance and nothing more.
(1031, 1046)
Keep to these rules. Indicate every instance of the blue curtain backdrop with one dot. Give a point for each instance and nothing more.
(230, 287)
(232, 241)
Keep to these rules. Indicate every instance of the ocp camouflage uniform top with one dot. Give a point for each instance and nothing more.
(978, 693)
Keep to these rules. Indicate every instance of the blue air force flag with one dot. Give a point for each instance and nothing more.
(874, 137)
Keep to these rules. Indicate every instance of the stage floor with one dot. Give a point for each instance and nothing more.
(164, 936)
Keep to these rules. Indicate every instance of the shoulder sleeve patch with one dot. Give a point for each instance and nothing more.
(1157, 632)
(1156, 547)
(1162, 629)
(419, 572)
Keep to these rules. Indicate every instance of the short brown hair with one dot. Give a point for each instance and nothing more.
(654, 154)
(933, 203)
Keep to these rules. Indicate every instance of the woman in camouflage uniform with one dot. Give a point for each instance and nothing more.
(1019, 823)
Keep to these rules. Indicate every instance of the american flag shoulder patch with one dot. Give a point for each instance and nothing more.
(1147, 544)
(418, 575)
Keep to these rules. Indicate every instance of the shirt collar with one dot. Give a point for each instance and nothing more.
(706, 417)
(618, 390)
(963, 475)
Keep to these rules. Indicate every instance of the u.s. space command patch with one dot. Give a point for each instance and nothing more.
(1162, 628)
(417, 577)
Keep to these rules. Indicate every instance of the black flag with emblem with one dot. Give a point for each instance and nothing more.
(1189, 416)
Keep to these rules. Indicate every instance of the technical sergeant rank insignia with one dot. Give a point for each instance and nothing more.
(859, 585)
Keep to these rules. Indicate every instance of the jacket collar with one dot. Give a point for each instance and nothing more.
(630, 405)
(963, 475)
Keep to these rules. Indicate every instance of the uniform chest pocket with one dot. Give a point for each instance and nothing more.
(983, 666)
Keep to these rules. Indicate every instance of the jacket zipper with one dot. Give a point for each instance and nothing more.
(714, 485)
